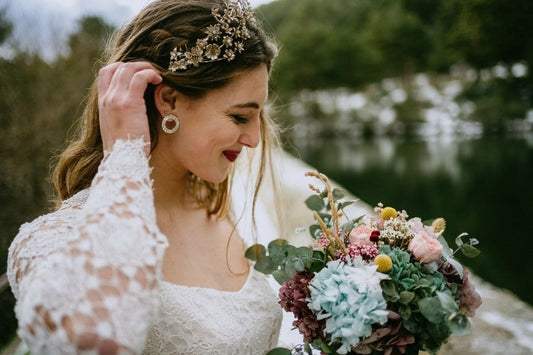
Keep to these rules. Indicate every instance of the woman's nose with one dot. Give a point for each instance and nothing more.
(251, 134)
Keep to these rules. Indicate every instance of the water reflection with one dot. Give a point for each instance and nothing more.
(482, 186)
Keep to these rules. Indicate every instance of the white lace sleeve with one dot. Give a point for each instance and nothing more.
(85, 279)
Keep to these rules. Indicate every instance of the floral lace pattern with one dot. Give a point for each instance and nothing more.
(87, 278)
(206, 321)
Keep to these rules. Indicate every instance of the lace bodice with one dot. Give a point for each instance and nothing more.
(243, 322)
(87, 279)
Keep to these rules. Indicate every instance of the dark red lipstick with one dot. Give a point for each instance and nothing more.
(231, 155)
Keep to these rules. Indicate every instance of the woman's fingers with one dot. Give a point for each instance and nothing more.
(122, 108)
(140, 80)
(125, 72)
(105, 75)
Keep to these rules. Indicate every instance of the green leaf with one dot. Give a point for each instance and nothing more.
(265, 265)
(446, 251)
(346, 204)
(469, 251)
(313, 229)
(456, 265)
(318, 261)
(338, 194)
(431, 309)
(459, 239)
(255, 252)
(406, 297)
(282, 275)
(459, 324)
(315, 203)
(348, 226)
(298, 264)
(447, 302)
(277, 243)
(404, 311)
(279, 351)
(389, 290)
(278, 251)
(326, 217)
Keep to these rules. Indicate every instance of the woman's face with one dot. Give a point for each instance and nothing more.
(214, 128)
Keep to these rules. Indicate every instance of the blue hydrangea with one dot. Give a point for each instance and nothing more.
(350, 297)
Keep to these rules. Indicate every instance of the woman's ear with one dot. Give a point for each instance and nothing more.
(165, 99)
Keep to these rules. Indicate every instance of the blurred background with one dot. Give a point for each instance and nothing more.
(424, 105)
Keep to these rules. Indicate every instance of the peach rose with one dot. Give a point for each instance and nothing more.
(425, 247)
(361, 235)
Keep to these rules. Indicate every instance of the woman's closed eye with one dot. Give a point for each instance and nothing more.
(240, 119)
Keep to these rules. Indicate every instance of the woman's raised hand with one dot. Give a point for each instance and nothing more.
(121, 104)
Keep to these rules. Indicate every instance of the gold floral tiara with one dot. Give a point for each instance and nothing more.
(224, 39)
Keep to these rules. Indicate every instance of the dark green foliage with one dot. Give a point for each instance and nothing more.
(39, 102)
(282, 260)
(499, 100)
(332, 43)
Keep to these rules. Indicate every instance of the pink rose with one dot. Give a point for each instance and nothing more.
(361, 235)
(425, 247)
(418, 227)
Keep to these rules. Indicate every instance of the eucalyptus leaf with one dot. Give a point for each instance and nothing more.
(255, 252)
(447, 302)
(326, 217)
(456, 265)
(348, 226)
(338, 194)
(298, 264)
(459, 324)
(315, 203)
(278, 254)
(282, 275)
(431, 308)
(459, 239)
(473, 241)
(469, 251)
(265, 265)
(318, 261)
(279, 351)
(446, 251)
(277, 243)
(313, 229)
(346, 204)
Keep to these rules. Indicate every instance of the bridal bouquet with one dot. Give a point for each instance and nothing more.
(371, 285)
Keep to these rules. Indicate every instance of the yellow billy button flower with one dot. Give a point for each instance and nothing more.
(383, 262)
(388, 213)
(438, 225)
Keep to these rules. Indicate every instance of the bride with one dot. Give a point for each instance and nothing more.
(145, 253)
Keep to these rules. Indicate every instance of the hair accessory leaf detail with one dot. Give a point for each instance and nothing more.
(223, 41)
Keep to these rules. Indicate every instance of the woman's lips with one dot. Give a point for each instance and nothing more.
(231, 155)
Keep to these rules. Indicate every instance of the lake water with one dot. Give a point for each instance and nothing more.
(480, 186)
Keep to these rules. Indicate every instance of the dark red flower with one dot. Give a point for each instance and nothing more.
(374, 236)
(292, 298)
(390, 338)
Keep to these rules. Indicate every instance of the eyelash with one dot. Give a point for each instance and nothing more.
(239, 119)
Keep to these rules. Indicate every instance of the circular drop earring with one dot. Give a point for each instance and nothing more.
(172, 121)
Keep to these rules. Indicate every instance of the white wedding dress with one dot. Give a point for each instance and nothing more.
(87, 279)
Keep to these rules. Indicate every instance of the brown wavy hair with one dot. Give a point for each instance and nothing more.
(150, 36)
